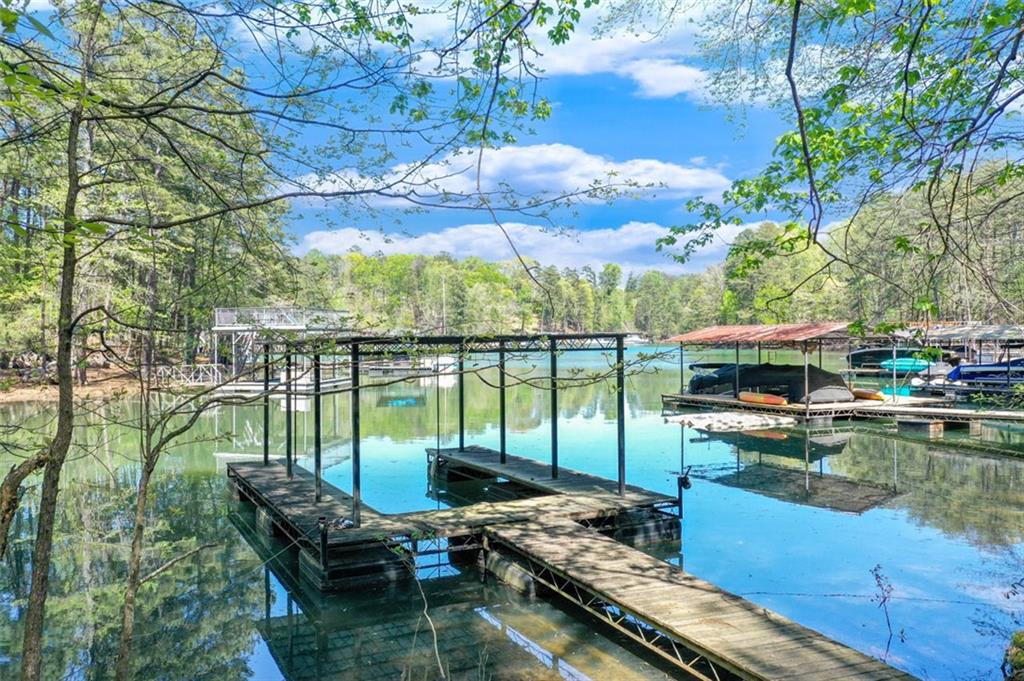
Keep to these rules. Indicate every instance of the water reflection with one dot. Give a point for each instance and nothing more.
(949, 534)
(790, 465)
(450, 621)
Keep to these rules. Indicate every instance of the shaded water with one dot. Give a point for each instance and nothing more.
(794, 524)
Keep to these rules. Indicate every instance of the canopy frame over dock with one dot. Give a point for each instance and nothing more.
(243, 325)
(358, 348)
(737, 335)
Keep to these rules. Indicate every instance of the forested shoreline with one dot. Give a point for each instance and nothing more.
(415, 292)
(444, 294)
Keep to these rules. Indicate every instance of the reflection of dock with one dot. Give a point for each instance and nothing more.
(822, 490)
(769, 463)
(553, 538)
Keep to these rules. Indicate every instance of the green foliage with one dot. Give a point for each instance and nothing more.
(435, 294)
(893, 102)
(1015, 655)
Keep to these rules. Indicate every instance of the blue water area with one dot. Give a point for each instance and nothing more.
(907, 550)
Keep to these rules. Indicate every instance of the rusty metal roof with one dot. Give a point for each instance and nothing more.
(754, 333)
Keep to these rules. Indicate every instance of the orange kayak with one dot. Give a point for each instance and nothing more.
(865, 394)
(762, 398)
(768, 434)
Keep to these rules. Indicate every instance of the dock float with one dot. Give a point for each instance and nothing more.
(676, 614)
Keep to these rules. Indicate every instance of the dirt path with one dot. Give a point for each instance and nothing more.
(102, 383)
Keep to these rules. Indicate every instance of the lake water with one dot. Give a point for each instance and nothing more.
(814, 529)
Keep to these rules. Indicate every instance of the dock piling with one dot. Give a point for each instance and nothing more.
(356, 489)
(322, 524)
(807, 385)
(317, 468)
(501, 400)
(554, 409)
(266, 404)
(462, 397)
(736, 374)
(620, 380)
(288, 411)
(682, 369)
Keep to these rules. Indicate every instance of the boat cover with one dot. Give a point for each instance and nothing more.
(786, 380)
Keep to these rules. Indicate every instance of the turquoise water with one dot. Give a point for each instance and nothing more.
(795, 524)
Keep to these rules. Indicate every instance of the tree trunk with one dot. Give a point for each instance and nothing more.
(32, 646)
(122, 669)
(9, 489)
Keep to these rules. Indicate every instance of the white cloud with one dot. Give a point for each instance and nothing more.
(631, 245)
(660, 78)
(537, 170)
(653, 57)
(656, 60)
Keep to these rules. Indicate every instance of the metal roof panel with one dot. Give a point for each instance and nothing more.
(754, 333)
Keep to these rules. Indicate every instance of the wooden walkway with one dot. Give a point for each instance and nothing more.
(693, 624)
(574, 495)
(661, 606)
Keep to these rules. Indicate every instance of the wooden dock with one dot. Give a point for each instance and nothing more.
(666, 609)
(933, 408)
(536, 474)
(556, 536)
(377, 548)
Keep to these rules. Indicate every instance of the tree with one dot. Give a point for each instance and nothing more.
(145, 124)
(883, 99)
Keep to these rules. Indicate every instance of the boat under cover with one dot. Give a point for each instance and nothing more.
(994, 372)
(872, 358)
(785, 380)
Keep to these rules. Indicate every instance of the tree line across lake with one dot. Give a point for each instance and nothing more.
(443, 294)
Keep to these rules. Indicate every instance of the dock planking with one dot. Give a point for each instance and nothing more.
(290, 501)
(537, 474)
(727, 630)
(573, 495)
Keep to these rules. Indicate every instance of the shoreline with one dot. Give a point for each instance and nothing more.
(102, 383)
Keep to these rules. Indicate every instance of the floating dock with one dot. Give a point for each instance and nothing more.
(554, 538)
(332, 557)
(931, 408)
(676, 614)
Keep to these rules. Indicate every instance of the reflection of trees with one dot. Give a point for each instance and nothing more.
(969, 495)
(1005, 568)
(195, 619)
(527, 408)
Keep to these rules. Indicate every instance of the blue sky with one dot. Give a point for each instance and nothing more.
(624, 103)
(632, 105)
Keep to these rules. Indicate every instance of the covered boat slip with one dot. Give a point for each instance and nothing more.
(818, 386)
(808, 409)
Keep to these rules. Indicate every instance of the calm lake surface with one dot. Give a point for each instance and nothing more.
(814, 529)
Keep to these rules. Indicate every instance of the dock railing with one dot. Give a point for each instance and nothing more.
(188, 374)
